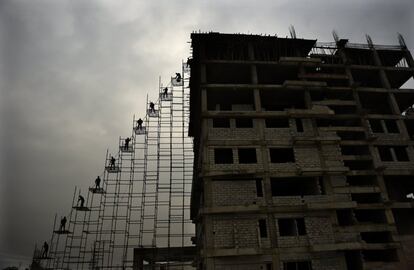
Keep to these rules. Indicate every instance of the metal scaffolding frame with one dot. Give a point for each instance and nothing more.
(144, 198)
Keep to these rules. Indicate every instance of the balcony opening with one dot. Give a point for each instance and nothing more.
(351, 135)
(338, 122)
(299, 125)
(281, 100)
(221, 123)
(391, 126)
(343, 109)
(247, 155)
(273, 74)
(380, 255)
(376, 126)
(376, 237)
(393, 153)
(244, 123)
(404, 100)
(400, 187)
(366, 78)
(291, 226)
(362, 198)
(409, 125)
(401, 153)
(375, 103)
(359, 165)
(392, 58)
(228, 74)
(385, 153)
(357, 150)
(262, 228)
(370, 216)
(259, 188)
(302, 265)
(331, 95)
(277, 123)
(223, 156)
(281, 155)
(359, 56)
(295, 186)
(384, 126)
(345, 217)
(361, 180)
(223, 99)
(353, 260)
(404, 220)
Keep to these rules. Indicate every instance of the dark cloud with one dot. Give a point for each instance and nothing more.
(73, 73)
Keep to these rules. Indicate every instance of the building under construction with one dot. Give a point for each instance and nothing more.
(300, 157)
(303, 153)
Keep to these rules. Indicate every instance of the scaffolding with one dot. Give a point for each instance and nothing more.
(142, 203)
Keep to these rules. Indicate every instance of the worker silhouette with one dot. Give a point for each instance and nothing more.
(126, 144)
(45, 249)
(178, 77)
(139, 123)
(97, 182)
(62, 224)
(112, 162)
(152, 107)
(81, 199)
(165, 94)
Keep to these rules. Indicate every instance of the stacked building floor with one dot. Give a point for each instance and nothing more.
(303, 153)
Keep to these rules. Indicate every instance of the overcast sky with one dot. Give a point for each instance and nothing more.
(73, 74)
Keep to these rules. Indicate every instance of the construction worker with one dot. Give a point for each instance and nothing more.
(62, 224)
(139, 123)
(152, 107)
(126, 144)
(45, 249)
(112, 162)
(97, 182)
(165, 94)
(178, 77)
(81, 199)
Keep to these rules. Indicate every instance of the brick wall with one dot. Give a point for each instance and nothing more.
(236, 192)
(242, 263)
(307, 157)
(319, 230)
(329, 261)
(331, 153)
(320, 261)
(235, 231)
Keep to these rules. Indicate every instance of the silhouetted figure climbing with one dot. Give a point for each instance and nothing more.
(112, 162)
(62, 224)
(97, 182)
(165, 94)
(178, 77)
(139, 122)
(81, 199)
(126, 145)
(152, 107)
(45, 249)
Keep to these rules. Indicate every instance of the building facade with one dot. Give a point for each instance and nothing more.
(304, 153)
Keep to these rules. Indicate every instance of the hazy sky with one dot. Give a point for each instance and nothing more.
(73, 74)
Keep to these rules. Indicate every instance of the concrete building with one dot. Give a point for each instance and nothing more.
(304, 153)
